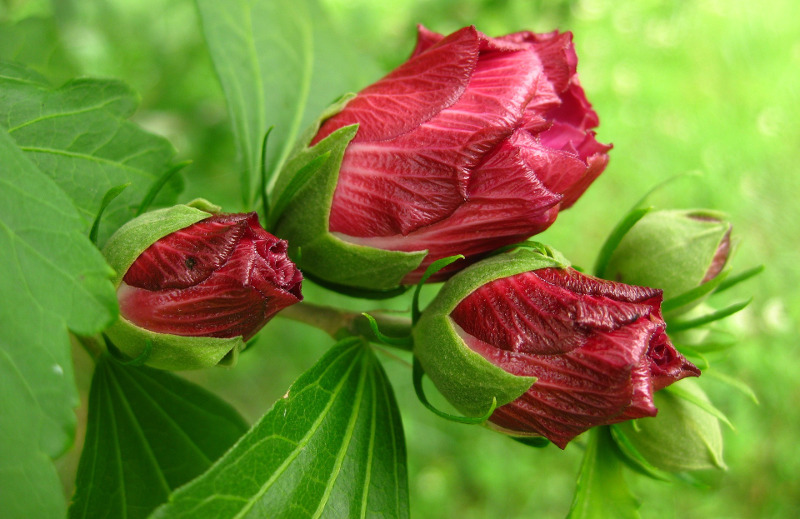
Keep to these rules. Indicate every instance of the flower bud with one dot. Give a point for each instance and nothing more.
(683, 436)
(569, 351)
(474, 143)
(197, 284)
(675, 250)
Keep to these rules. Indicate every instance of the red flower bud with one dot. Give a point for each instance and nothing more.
(223, 276)
(472, 144)
(598, 349)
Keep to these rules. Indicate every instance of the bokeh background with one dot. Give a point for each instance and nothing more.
(707, 90)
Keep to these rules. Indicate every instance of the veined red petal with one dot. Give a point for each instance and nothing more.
(415, 180)
(411, 94)
(597, 348)
(186, 257)
(506, 203)
(246, 278)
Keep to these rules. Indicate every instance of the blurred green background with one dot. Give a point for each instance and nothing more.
(709, 87)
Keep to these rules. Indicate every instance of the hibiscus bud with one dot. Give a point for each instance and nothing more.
(197, 285)
(472, 144)
(592, 352)
(683, 436)
(675, 250)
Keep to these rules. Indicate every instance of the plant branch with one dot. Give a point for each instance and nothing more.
(340, 323)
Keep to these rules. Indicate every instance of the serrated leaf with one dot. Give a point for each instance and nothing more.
(602, 491)
(280, 63)
(52, 279)
(78, 134)
(148, 433)
(331, 447)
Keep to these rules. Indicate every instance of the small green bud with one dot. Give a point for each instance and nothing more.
(675, 250)
(683, 436)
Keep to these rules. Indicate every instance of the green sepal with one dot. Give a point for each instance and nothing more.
(683, 436)
(304, 223)
(671, 250)
(133, 238)
(174, 352)
(464, 377)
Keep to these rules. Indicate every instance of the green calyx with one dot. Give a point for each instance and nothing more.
(304, 219)
(464, 377)
(671, 250)
(172, 352)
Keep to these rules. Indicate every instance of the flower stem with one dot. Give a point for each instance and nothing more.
(340, 323)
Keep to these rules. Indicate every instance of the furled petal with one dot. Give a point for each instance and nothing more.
(186, 257)
(597, 348)
(243, 283)
(411, 94)
(506, 203)
(420, 178)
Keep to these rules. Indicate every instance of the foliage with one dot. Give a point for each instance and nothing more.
(684, 87)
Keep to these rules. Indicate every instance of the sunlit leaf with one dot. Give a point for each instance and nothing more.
(79, 135)
(148, 432)
(331, 447)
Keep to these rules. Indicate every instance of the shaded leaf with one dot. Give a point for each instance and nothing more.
(149, 432)
(78, 134)
(331, 447)
(280, 63)
(52, 279)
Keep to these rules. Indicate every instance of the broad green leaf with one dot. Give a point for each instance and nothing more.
(148, 433)
(280, 63)
(602, 491)
(52, 279)
(79, 135)
(331, 447)
(36, 41)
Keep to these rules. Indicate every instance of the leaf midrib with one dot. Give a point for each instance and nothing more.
(306, 439)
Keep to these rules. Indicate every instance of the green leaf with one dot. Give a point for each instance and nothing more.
(679, 326)
(148, 432)
(280, 63)
(35, 41)
(52, 279)
(331, 447)
(78, 134)
(602, 491)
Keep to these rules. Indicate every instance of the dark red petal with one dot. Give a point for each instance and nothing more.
(255, 282)
(186, 257)
(575, 391)
(597, 348)
(412, 93)
(550, 311)
(404, 184)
